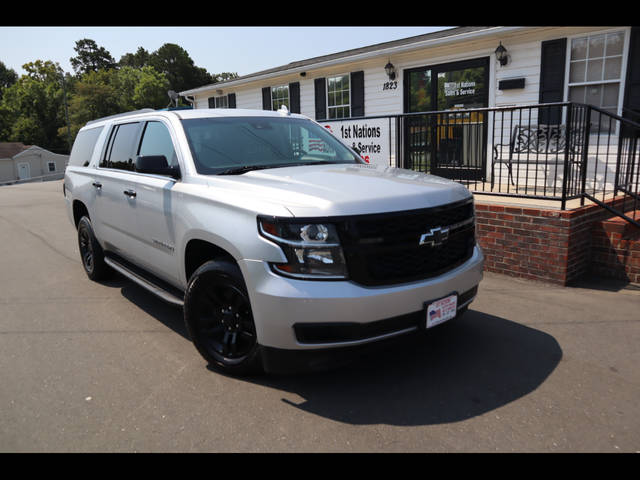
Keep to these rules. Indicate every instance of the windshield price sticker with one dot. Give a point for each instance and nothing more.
(442, 310)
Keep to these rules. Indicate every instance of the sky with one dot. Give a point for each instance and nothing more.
(242, 50)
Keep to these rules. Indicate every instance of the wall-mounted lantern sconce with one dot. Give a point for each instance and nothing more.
(391, 70)
(501, 55)
(303, 74)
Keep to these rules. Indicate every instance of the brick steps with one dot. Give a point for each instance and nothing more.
(556, 246)
(615, 249)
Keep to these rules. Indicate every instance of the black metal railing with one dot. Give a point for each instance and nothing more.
(557, 151)
(616, 148)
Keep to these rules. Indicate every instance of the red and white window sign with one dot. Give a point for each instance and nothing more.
(369, 137)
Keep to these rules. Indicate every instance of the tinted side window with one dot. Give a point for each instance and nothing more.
(120, 152)
(83, 147)
(156, 140)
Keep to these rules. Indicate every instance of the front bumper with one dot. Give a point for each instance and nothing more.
(283, 306)
(391, 330)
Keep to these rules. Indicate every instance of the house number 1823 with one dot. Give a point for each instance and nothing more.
(390, 85)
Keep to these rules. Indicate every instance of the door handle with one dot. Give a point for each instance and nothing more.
(130, 193)
(97, 184)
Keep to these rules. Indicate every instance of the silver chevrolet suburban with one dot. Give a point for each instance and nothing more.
(283, 247)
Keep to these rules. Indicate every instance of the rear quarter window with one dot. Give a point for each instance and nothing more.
(83, 147)
(120, 151)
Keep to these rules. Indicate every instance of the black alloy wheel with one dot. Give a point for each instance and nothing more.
(86, 250)
(219, 319)
(91, 252)
(224, 322)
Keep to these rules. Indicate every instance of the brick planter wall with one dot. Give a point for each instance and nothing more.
(536, 243)
(615, 250)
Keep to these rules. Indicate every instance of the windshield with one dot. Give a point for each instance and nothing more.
(237, 145)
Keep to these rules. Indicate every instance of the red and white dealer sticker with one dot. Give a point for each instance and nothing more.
(442, 310)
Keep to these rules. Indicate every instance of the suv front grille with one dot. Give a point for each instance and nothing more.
(384, 249)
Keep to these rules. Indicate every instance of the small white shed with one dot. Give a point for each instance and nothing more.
(25, 162)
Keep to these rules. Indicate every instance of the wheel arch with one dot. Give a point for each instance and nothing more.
(198, 251)
(79, 210)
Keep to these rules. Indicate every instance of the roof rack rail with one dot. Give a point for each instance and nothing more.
(144, 110)
(170, 109)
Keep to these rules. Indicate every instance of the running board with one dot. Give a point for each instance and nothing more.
(145, 283)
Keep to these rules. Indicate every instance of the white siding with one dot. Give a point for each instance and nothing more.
(523, 47)
(251, 98)
(201, 102)
(524, 63)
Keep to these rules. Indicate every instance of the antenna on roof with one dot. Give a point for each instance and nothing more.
(174, 97)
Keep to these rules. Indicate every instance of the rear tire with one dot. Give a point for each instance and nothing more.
(218, 317)
(91, 252)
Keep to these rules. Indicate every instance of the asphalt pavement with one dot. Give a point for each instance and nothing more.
(107, 367)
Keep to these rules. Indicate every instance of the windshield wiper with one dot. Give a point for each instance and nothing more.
(241, 170)
(249, 168)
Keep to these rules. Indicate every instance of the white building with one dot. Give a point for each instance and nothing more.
(24, 162)
(452, 69)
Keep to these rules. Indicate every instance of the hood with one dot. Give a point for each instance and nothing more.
(330, 190)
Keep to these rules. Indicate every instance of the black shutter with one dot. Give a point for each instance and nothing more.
(231, 100)
(552, 65)
(320, 85)
(631, 103)
(294, 97)
(266, 98)
(357, 94)
(212, 102)
(632, 86)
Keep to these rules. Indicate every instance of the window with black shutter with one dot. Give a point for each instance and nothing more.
(631, 105)
(266, 98)
(340, 96)
(595, 74)
(294, 97)
(280, 97)
(221, 102)
(320, 98)
(552, 64)
(357, 94)
(632, 87)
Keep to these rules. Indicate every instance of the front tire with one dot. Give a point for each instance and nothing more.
(91, 252)
(218, 317)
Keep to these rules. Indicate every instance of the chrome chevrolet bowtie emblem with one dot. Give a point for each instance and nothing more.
(436, 236)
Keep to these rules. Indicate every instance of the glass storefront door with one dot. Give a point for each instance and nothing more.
(451, 143)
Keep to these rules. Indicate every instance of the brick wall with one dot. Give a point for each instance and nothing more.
(615, 250)
(536, 243)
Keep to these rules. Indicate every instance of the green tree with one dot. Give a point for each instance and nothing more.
(141, 88)
(139, 59)
(5, 123)
(8, 77)
(32, 108)
(223, 77)
(90, 57)
(94, 96)
(177, 65)
(109, 91)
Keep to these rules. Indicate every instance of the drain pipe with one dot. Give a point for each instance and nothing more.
(191, 100)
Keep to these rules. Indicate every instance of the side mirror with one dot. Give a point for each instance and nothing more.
(156, 164)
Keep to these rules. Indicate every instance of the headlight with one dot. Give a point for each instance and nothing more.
(312, 249)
